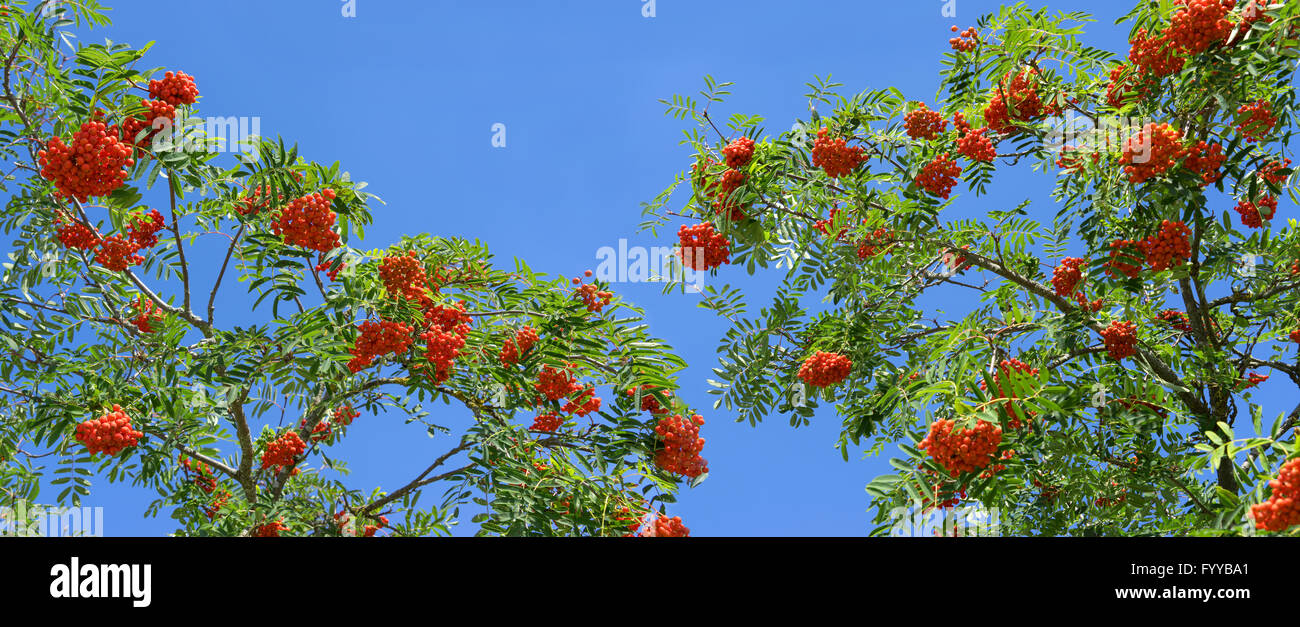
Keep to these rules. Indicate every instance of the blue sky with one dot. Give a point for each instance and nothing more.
(406, 93)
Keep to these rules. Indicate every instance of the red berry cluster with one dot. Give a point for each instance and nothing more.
(1205, 159)
(966, 40)
(835, 156)
(976, 145)
(648, 401)
(1007, 454)
(1126, 258)
(521, 345)
(1093, 306)
(283, 451)
(1016, 101)
(922, 123)
(344, 415)
(702, 248)
(1124, 80)
(681, 445)
(76, 235)
(1121, 339)
(145, 315)
(556, 383)
(1256, 120)
(94, 165)
(1067, 161)
(176, 89)
(1066, 276)
(403, 276)
(955, 261)
(738, 153)
(134, 125)
(322, 432)
(825, 369)
(1170, 247)
(586, 402)
(1295, 336)
(1282, 509)
(1253, 215)
(269, 530)
(309, 222)
(1272, 172)
(1176, 319)
(665, 527)
(325, 265)
(594, 298)
(939, 176)
(825, 225)
(1200, 24)
(1004, 371)
(447, 329)
(1153, 54)
(875, 243)
(143, 231)
(109, 434)
(199, 473)
(962, 450)
(117, 253)
(378, 338)
(548, 422)
(731, 181)
(1152, 152)
(218, 500)
(1252, 381)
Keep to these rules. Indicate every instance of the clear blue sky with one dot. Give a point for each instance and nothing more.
(405, 95)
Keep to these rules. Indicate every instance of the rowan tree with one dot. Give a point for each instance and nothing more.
(1084, 362)
(134, 244)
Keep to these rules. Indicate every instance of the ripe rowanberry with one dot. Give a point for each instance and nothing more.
(145, 315)
(966, 40)
(403, 276)
(378, 338)
(835, 156)
(94, 165)
(519, 346)
(962, 450)
(283, 452)
(176, 89)
(110, 434)
(1282, 509)
(1067, 275)
(922, 123)
(665, 527)
(1121, 339)
(1154, 55)
(1199, 24)
(976, 145)
(825, 369)
(1152, 152)
(702, 248)
(680, 453)
(1256, 120)
(738, 153)
(309, 222)
(939, 176)
(1254, 215)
